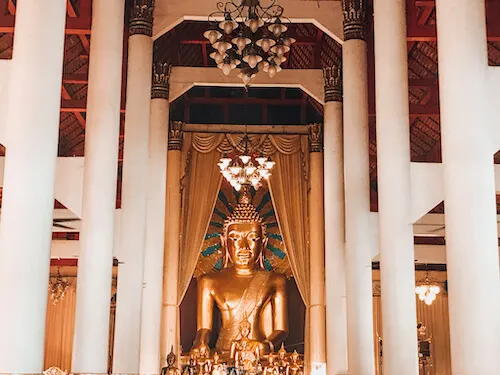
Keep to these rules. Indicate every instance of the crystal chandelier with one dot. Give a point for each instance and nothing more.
(251, 37)
(427, 291)
(246, 169)
(57, 287)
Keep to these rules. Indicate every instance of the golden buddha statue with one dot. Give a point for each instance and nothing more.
(203, 359)
(217, 368)
(294, 367)
(171, 368)
(271, 368)
(243, 289)
(245, 351)
(282, 361)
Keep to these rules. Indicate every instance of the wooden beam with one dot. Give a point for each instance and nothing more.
(85, 42)
(11, 7)
(76, 78)
(249, 129)
(77, 106)
(420, 110)
(78, 115)
(70, 9)
(224, 101)
(422, 82)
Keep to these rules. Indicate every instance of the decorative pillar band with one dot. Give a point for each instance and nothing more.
(333, 84)
(160, 88)
(354, 19)
(141, 17)
(316, 138)
(175, 136)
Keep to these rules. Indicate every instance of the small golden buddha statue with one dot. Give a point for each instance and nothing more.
(171, 368)
(217, 367)
(243, 288)
(282, 361)
(192, 366)
(203, 359)
(245, 351)
(294, 368)
(271, 368)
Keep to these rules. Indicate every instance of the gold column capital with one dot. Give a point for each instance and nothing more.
(354, 19)
(315, 137)
(160, 88)
(141, 17)
(333, 83)
(175, 136)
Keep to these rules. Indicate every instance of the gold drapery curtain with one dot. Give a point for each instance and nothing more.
(200, 186)
(59, 327)
(434, 317)
(288, 188)
(289, 194)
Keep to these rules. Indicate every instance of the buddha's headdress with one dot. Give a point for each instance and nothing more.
(282, 349)
(244, 212)
(171, 357)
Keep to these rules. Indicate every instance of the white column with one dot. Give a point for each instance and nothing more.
(317, 308)
(357, 191)
(469, 187)
(134, 190)
(155, 224)
(90, 346)
(28, 195)
(170, 309)
(336, 316)
(394, 190)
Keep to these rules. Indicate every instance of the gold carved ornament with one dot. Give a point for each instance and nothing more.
(354, 19)
(333, 83)
(160, 85)
(141, 17)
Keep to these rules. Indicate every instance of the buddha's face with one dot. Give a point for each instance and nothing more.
(244, 243)
(170, 360)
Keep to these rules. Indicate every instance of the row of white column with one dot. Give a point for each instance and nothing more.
(472, 245)
(471, 219)
(28, 197)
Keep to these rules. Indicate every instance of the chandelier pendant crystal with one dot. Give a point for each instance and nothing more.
(58, 287)
(250, 36)
(427, 291)
(245, 169)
